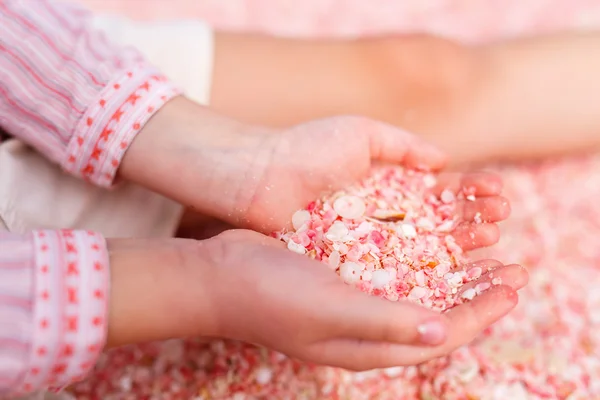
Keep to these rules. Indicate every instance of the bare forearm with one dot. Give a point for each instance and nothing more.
(416, 82)
(541, 96)
(281, 82)
(154, 291)
(517, 99)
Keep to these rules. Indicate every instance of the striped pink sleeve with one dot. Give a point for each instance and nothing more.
(53, 308)
(68, 92)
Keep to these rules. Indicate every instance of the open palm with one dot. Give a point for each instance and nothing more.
(287, 170)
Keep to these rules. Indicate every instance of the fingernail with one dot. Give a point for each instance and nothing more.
(432, 332)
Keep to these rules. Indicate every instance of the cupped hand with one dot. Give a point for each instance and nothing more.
(477, 218)
(257, 178)
(246, 286)
(478, 215)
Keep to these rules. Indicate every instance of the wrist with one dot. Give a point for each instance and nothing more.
(158, 291)
(177, 124)
(284, 82)
(192, 155)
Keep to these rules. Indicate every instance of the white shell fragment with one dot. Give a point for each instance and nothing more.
(380, 278)
(407, 231)
(264, 375)
(350, 272)
(469, 294)
(296, 248)
(337, 232)
(350, 207)
(300, 218)
(447, 196)
(430, 181)
(417, 292)
(334, 259)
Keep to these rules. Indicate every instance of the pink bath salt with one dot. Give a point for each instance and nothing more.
(446, 226)
(317, 225)
(355, 252)
(367, 275)
(304, 239)
(349, 207)
(452, 246)
(469, 191)
(371, 248)
(300, 219)
(403, 268)
(406, 237)
(296, 247)
(417, 293)
(389, 262)
(401, 287)
(311, 206)
(312, 234)
(319, 252)
(420, 278)
(337, 232)
(469, 294)
(482, 287)
(329, 216)
(377, 238)
(447, 196)
(334, 259)
(342, 248)
(474, 273)
(477, 218)
(350, 271)
(442, 269)
(445, 210)
(363, 230)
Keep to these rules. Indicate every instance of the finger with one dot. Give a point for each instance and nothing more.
(512, 275)
(484, 209)
(363, 317)
(478, 268)
(471, 236)
(478, 183)
(250, 237)
(205, 231)
(466, 322)
(469, 319)
(391, 144)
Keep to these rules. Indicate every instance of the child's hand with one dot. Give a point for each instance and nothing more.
(477, 229)
(478, 217)
(243, 285)
(258, 178)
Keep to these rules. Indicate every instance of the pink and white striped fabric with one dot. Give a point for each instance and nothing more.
(80, 101)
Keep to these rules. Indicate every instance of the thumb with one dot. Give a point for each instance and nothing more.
(363, 317)
(394, 145)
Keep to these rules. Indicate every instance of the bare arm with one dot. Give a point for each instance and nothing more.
(540, 96)
(511, 100)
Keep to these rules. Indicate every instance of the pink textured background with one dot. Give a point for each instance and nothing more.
(555, 226)
(472, 20)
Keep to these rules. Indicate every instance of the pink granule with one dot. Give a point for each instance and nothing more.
(390, 237)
